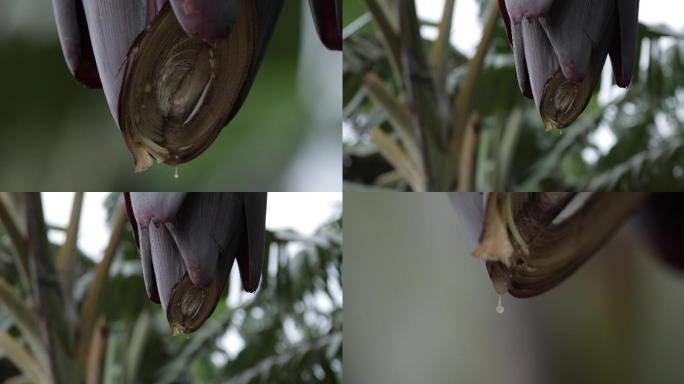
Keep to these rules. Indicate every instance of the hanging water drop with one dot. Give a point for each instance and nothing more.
(499, 307)
(175, 175)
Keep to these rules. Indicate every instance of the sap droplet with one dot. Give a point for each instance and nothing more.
(499, 307)
(175, 174)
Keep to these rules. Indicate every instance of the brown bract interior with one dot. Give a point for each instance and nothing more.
(190, 306)
(554, 249)
(179, 90)
(563, 101)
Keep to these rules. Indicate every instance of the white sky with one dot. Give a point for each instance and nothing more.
(93, 233)
(301, 211)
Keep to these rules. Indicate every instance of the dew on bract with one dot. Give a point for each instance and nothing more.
(499, 307)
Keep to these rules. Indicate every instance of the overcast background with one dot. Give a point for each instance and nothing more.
(420, 309)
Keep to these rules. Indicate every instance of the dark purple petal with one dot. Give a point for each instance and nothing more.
(131, 217)
(519, 55)
(210, 19)
(506, 18)
(662, 218)
(168, 265)
(623, 52)
(148, 265)
(145, 208)
(156, 207)
(75, 41)
(202, 230)
(327, 15)
(268, 12)
(567, 28)
(113, 26)
(541, 60)
(251, 255)
(532, 9)
(470, 209)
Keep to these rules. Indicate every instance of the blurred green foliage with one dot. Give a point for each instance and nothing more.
(57, 135)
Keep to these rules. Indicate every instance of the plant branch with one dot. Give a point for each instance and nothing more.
(18, 240)
(25, 320)
(95, 359)
(57, 330)
(466, 164)
(65, 258)
(91, 303)
(398, 158)
(397, 114)
(441, 46)
(22, 359)
(66, 253)
(506, 151)
(429, 111)
(134, 355)
(462, 103)
(388, 31)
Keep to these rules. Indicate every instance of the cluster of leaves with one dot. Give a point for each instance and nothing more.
(288, 335)
(512, 150)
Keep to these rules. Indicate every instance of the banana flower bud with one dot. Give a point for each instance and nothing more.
(560, 47)
(531, 242)
(188, 242)
(173, 74)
